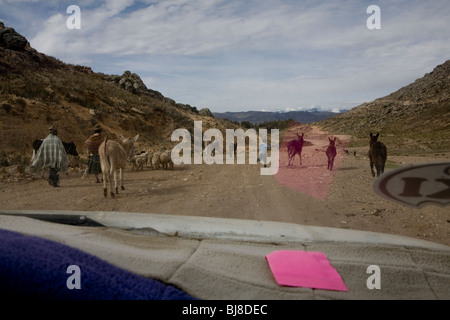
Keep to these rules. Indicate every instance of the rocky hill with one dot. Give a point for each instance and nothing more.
(413, 119)
(37, 91)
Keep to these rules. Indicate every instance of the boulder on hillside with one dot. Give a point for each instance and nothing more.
(17, 56)
(133, 83)
(10, 39)
(206, 113)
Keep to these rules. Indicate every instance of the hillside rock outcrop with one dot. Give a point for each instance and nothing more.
(10, 39)
(418, 112)
(18, 57)
(206, 112)
(131, 82)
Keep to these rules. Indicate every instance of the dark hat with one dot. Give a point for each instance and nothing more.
(53, 130)
(97, 128)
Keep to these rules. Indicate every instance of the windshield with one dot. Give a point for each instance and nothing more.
(252, 113)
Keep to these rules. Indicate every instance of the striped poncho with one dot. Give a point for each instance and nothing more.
(51, 154)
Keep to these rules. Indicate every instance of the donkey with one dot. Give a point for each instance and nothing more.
(113, 158)
(331, 153)
(295, 147)
(377, 154)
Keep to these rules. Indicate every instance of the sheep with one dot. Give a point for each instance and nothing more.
(149, 160)
(155, 161)
(166, 160)
(145, 155)
(377, 154)
(140, 160)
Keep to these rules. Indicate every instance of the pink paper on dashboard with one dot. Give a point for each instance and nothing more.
(294, 268)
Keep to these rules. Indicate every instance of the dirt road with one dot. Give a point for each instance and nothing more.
(303, 194)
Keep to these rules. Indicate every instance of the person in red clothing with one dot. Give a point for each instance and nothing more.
(92, 144)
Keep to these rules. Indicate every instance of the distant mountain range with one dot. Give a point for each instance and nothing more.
(254, 117)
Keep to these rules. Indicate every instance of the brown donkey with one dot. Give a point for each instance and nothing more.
(295, 147)
(377, 154)
(113, 159)
(331, 153)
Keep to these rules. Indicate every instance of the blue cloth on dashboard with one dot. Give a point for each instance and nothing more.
(36, 268)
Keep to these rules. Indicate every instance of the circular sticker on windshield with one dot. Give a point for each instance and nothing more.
(416, 185)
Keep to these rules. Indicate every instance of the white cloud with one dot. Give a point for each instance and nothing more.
(251, 54)
(2, 2)
(182, 27)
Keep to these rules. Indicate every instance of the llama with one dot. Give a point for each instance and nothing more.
(113, 158)
(295, 147)
(377, 154)
(331, 153)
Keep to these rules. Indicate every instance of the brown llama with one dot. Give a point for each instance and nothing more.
(331, 153)
(295, 147)
(377, 154)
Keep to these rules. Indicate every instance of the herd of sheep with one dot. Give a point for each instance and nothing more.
(155, 161)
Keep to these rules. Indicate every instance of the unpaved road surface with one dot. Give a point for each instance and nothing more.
(304, 194)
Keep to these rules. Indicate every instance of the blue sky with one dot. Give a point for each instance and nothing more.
(238, 55)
